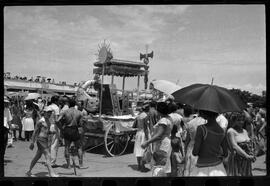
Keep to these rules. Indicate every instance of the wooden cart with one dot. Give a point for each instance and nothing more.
(113, 128)
(112, 132)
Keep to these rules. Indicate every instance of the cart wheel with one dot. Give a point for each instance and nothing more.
(115, 143)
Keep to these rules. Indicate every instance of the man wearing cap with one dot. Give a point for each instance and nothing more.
(41, 137)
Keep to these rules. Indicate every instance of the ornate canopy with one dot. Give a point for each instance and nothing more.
(118, 67)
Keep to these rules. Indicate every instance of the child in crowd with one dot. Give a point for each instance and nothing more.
(177, 156)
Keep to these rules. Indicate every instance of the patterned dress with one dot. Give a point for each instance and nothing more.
(239, 165)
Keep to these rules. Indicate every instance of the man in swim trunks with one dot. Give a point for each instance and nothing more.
(41, 137)
(70, 129)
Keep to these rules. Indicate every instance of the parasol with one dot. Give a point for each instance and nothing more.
(32, 96)
(209, 97)
(165, 86)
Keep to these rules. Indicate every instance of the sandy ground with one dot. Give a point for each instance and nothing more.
(18, 158)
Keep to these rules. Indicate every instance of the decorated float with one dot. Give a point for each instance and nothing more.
(111, 126)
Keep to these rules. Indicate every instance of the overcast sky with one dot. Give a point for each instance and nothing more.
(191, 44)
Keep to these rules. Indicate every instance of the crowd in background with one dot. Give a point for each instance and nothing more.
(38, 79)
(46, 124)
(177, 140)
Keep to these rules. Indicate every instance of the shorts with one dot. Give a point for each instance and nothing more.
(71, 133)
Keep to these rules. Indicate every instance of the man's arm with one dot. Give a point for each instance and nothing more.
(198, 141)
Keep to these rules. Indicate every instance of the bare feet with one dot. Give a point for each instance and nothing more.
(29, 174)
(54, 175)
(83, 167)
(67, 166)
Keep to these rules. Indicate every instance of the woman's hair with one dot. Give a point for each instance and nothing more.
(172, 107)
(175, 143)
(208, 114)
(162, 108)
(153, 104)
(54, 99)
(235, 120)
(72, 102)
(29, 104)
(174, 130)
(188, 110)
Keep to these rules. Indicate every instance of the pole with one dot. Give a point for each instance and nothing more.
(112, 79)
(123, 85)
(138, 87)
(101, 91)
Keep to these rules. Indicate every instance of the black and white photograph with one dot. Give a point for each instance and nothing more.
(134, 90)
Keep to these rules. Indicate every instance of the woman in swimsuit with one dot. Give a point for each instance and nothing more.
(40, 136)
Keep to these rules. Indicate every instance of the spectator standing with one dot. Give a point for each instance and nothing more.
(28, 121)
(161, 135)
(241, 148)
(7, 122)
(72, 119)
(210, 147)
(176, 118)
(153, 115)
(191, 127)
(141, 125)
(177, 155)
(54, 130)
(16, 115)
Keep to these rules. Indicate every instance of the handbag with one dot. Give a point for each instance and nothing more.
(147, 155)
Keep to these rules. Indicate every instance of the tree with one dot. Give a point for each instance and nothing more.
(247, 97)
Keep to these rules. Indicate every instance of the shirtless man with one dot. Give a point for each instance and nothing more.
(40, 136)
(70, 130)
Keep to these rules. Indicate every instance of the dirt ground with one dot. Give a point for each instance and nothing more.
(18, 158)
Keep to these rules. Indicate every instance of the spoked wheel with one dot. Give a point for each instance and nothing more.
(115, 142)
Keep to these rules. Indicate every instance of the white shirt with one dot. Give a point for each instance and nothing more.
(55, 109)
(222, 121)
(7, 117)
(176, 120)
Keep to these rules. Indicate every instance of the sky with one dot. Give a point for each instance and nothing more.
(191, 43)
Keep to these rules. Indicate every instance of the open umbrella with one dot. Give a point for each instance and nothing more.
(209, 97)
(32, 96)
(165, 86)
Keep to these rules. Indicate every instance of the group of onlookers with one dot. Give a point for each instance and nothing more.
(177, 140)
(48, 126)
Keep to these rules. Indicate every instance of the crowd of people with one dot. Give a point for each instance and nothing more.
(48, 125)
(178, 140)
(38, 79)
(174, 139)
